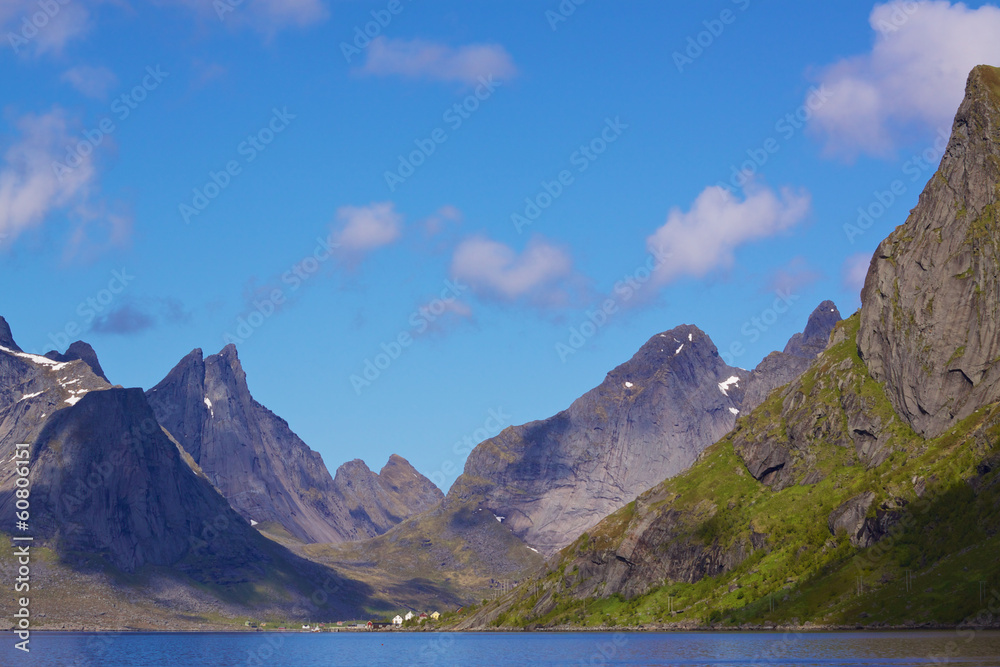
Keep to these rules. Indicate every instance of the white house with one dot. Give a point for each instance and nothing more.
(397, 620)
(409, 615)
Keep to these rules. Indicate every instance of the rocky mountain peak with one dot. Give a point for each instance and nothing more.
(82, 351)
(268, 474)
(779, 368)
(6, 338)
(816, 335)
(930, 317)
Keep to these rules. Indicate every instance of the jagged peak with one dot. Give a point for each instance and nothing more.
(6, 337)
(82, 351)
(813, 339)
(987, 78)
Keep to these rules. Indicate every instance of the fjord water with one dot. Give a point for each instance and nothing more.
(965, 648)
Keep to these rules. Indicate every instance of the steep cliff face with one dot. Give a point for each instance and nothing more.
(779, 368)
(268, 474)
(650, 418)
(105, 479)
(931, 300)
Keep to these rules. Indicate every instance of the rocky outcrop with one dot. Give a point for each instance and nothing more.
(380, 501)
(551, 480)
(268, 474)
(930, 320)
(779, 368)
(850, 516)
(6, 338)
(82, 351)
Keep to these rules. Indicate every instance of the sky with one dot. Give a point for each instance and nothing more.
(421, 222)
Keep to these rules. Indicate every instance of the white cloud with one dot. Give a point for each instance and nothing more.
(496, 270)
(365, 228)
(855, 270)
(704, 238)
(418, 59)
(29, 186)
(441, 219)
(94, 82)
(914, 76)
(29, 28)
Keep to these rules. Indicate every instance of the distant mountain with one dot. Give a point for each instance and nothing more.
(649, 419)
(111, 493)
(82, 351)
(779, 368)
(268, 474)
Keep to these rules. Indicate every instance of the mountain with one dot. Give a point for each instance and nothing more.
(839, 501)
(929, 329)
(550, 480)
(82, 351)
(266, 472)
(118, 509)
(779, 368)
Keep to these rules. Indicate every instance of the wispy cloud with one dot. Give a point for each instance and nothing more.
(29, 28)
(795, 276)
(705, 238)
(95, 82)
(418, 59)
(914, 76)
(31, 190)
(495, 270)
(361, 229)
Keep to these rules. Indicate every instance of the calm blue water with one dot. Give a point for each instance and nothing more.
(981, 649)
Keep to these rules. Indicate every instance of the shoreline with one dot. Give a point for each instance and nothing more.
(781, 629)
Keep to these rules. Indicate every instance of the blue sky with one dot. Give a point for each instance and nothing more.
(258, 170)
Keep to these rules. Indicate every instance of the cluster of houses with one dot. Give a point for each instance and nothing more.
(398, 620)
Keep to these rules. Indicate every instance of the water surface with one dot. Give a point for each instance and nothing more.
(399, 649)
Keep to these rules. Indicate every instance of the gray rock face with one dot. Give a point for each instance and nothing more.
(850, 516)
(779, 368)
(105, 479)
(82, 351)
(930, 320)
(6, 339)
(651, 417)
(268, 473)
(383, 500)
